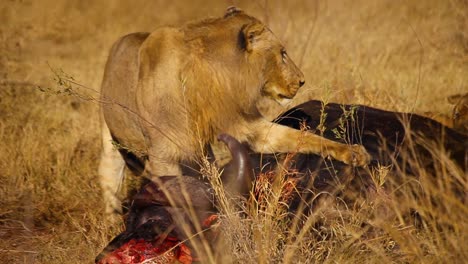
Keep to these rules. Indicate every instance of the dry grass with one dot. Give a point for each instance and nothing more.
(395, 55)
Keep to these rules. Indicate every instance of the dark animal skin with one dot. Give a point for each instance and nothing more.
(382, 133)
(391, 138)
(238, 175)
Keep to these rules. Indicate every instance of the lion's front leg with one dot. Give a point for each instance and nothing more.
(273, 138)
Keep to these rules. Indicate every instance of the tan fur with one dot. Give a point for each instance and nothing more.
(169, 93)
(460, 112)
(459, 118)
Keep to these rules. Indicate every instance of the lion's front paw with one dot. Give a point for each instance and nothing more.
(356, 155)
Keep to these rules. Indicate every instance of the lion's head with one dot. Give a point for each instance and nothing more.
(281, 78)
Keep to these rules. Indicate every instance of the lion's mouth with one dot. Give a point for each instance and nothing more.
(276, 94)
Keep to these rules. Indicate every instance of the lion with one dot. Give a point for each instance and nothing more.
(166, 93)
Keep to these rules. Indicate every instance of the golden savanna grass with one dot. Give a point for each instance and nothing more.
(395, 55)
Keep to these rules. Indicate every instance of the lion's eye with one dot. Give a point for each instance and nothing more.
(284, 55)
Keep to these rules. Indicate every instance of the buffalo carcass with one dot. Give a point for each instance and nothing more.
(405, 143)
(166, 214)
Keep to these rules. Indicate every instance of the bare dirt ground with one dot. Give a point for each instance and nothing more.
(396, 55)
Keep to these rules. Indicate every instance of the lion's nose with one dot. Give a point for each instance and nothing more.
(301, 83)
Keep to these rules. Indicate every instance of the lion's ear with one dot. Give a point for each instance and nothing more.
(252, 33)
(232, 10)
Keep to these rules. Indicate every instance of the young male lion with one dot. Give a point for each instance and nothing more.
(167, 93)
